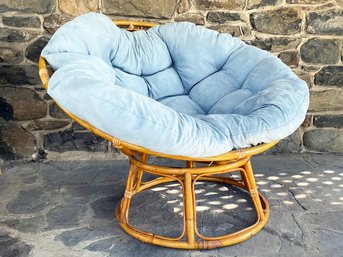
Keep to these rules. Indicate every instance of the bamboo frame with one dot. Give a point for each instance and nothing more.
(190, 238)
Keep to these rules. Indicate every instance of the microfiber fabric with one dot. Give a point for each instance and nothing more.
(177, 89)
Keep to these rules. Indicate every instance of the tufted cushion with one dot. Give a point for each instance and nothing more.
(178, 88)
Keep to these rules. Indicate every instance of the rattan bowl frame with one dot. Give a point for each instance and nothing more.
(233, 161)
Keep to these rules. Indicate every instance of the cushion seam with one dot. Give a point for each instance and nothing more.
(218, 70)
(255, 67)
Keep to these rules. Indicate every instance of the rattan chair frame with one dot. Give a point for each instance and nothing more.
(233, 161)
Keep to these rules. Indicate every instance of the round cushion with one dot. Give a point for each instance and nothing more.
(178, 88)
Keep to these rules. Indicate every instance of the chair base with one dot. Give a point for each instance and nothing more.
(190, 238)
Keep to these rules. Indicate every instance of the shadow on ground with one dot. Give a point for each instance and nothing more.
(67, 209)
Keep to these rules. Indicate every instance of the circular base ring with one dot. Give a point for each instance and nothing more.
(180, 242)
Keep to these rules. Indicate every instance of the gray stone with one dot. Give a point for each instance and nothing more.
(223, 215)
(6, 110)
(29, 225)
(236, 31)
(330, 100)
(30, 180)
(101, 245)
(307, 122)
(307, 77)
(222, 17)
(34, 50)
(333, 121)
(77, 127)
(9, 55)
(285, 225)
(329, 220)
(109, 246)
(148, 8)
(287, 181)
(65, 216)
(254, 4)
(290, 144)
(307, 184)
(252, 249)
(316, 50)
(55, 175)
(16, 141)
(32, 200)
(332, 163)
(34, 6)
(17, 21)
(56, 112)
(324, 140)
(71, 141)
(164, 219)
(330, 76)
(125, 246)
(12, 35)
(25, 103)
(290, 248)
(6, 155)
(47, 125)
(19, 74)
(13, 247)
(311, 68)
(276, 44)
(92, 172)
(225, 4)
(290, 58)
(328, 242)
(183, 6)
(196, 18)
(73, 237)
(54, 22)
(326, 22)
(104, 208)
(223, 223)
(78, 7)
(285, 21)
(81, 194)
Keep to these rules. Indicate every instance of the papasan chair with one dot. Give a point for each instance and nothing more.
(176, 91)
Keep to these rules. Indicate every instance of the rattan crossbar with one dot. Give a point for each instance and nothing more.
(233, 161)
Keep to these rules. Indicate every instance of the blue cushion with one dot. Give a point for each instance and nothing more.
(177, 89)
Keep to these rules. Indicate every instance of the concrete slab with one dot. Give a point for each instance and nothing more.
(65, 208)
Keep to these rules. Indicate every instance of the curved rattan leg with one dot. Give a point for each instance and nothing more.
(190, 237)
(253, 190)
(189, 206)
(125, 201)
(139, 174)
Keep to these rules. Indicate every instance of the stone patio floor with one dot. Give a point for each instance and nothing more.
(65, 208)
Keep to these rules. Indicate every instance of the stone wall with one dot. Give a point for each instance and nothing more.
(306, 34)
